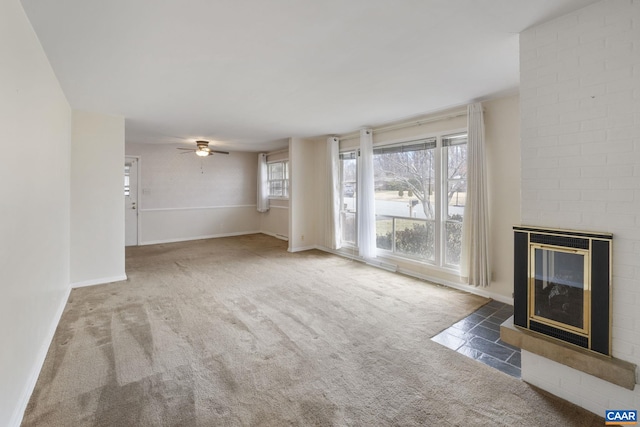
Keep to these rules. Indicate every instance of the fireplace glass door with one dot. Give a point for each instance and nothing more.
(559, 288)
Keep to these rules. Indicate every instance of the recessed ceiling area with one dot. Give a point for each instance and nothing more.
(247, 75)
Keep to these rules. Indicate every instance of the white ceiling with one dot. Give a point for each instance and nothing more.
(247, 74)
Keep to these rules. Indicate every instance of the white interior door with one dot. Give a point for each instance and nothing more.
(130, 201)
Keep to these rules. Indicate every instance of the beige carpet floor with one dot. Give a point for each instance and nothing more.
(239, 332)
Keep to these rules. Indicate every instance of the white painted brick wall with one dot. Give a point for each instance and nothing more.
(580, 106)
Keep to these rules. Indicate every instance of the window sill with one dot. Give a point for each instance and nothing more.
(389, 257)
(412, 262)
(278, 198)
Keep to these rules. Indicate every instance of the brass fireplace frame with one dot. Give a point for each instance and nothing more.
(586, 306)
(595, 334)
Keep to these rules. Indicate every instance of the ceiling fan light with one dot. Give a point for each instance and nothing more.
(202, 153)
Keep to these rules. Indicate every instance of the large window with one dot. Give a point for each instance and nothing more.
(278, 177)
(455, 153)
(420, 191)
(348, 197)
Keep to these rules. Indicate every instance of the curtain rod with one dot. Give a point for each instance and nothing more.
(388, 128)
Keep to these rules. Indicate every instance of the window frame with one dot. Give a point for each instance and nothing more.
(440, 211)
(445, 189)
(354, 153)
(283, 181)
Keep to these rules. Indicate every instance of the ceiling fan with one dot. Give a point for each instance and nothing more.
(203, 149)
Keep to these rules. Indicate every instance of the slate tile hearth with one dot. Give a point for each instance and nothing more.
(478, 336)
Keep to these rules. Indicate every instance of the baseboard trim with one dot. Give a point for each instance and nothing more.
(189, 239)
(459, 286)
(277, 236)
(383, 265)
(99, 281)
(303, 248)
(345, 253)
(18, 413)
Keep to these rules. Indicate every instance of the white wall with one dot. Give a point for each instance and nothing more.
(35, 139)
(580, 105)
(502, 134)
(97, 200)
(304, 161)
(185, 197)
(275, 222)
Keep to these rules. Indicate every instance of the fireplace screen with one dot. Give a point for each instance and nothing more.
(560, 288)
(562, 285)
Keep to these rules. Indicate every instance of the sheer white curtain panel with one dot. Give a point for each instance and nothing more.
(333, 194)
(366, 198)
(475, 262)
(263, 183)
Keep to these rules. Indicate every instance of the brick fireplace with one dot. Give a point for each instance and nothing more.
(580, 169)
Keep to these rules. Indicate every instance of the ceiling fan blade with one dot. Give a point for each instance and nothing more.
(220, 152)
(187, 152)
(190, 149)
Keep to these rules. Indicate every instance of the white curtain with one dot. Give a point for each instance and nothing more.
(334, 233)
(263, 183)
(366, 198)
(475, 263)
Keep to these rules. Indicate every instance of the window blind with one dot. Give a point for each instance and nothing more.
(419, 145)
(457, 139)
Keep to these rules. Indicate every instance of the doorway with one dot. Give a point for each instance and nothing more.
(131, 201)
